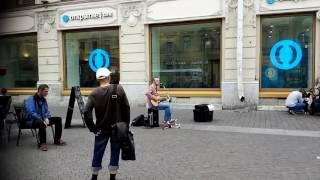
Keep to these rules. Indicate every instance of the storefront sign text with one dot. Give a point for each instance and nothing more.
(83, 17)
(273, 1)
(88, 17)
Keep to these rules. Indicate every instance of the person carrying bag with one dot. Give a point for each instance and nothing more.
(112, 112)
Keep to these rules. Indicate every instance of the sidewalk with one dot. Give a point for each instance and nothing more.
(234, 146)
(236, 118)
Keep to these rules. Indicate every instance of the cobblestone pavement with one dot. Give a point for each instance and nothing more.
(186, 153)
(237, 118)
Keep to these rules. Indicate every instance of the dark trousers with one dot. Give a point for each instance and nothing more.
(57, 121)
(100, 144)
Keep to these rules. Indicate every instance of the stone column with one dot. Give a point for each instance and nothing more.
(48, 53)
(229, 88)
(133, 51)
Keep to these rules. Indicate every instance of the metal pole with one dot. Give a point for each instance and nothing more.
(240, 50)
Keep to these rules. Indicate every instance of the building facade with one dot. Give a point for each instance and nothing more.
(233, 53)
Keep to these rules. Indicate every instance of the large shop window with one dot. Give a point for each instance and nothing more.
(18, 61)
(78, 47)
(187, 55)
(287, 52)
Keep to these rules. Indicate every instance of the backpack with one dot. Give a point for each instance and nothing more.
(138, 121)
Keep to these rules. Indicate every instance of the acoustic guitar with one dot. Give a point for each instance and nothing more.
(157, 102)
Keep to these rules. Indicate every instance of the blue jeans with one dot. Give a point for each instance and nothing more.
(167, 110)
(100, 143)
(298, 107)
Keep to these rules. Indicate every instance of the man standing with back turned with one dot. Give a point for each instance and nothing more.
(100, 100)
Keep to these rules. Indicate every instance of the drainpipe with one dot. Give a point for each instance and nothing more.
(240, 50)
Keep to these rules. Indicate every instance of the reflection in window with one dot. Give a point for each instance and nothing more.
(187, 55)
(78, 46)
(282, 73)
(19, 61)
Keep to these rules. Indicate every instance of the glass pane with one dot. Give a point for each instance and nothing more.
(287, 50)
(187, 56)
(19, 61)
(79, 45)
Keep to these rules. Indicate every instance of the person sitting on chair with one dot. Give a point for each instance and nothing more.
(153, 101)
(38, 116)
(295, 101)
(3, 92)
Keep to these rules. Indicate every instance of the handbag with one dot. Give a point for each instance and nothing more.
(119, 130)
(127, 147)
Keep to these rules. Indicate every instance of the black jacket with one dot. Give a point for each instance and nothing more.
(100, 100)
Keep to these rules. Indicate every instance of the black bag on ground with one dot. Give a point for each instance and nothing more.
(201, 113)
(138, 121)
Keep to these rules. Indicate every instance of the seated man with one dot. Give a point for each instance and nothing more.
(295, 101)
(154, 102)
(38, 116)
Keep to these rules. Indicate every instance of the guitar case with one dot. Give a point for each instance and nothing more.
(152, 120)
(201, 113)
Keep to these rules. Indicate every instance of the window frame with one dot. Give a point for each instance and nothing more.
(188, 92)
(24, 90)
(283, 92)
(84, 90)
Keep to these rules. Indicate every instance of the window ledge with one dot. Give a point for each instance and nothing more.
(275, 94)
(191, 93)
(22, 91)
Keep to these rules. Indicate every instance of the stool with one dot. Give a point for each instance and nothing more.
(153, 118)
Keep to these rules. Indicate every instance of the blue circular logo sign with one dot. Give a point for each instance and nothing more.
(99, 58)
(65, 18)
(286, 54)
(270, 1)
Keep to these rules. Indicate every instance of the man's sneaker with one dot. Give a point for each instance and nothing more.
(60, 142)
(292, 112)
(43, 147)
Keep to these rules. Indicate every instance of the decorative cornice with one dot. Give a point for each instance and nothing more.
(250, 6)
(248, 3)
(46, 21)
(131, 13)
(232, 4)
(231, 7)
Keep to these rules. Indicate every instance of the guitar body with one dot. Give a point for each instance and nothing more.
(156, 103)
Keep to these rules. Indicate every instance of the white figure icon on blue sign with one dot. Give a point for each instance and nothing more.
(99, 58)
(270, 1)
(286, 54)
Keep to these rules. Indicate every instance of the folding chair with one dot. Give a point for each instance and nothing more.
(22, 125)
(5, 103)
